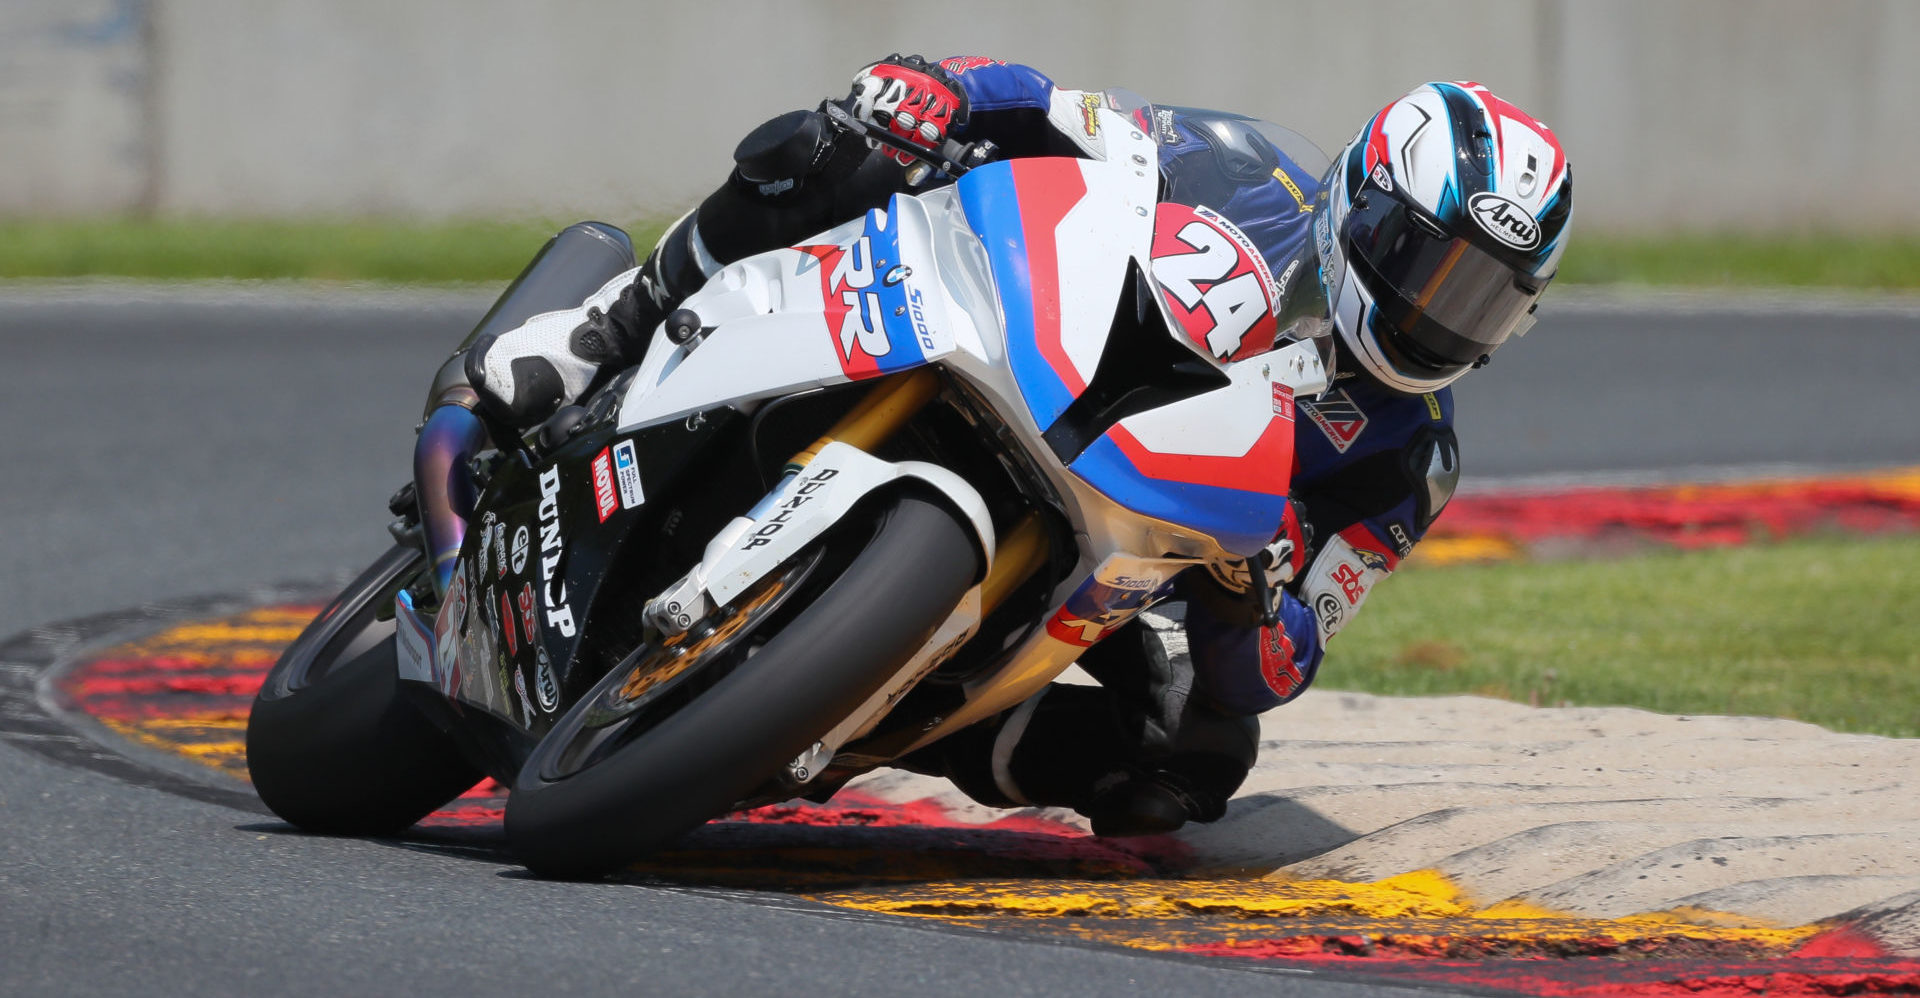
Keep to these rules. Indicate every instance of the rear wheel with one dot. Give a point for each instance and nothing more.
(669, 740)
(332, 744)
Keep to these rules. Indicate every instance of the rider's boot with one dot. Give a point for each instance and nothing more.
(524, 374)
(791, 179)
(516, 379)
(1136, 756)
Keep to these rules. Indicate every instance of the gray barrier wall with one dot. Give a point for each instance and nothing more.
(1721, 114)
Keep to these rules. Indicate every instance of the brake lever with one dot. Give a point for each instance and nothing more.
(953, 158)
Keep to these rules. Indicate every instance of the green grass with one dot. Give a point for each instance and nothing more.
(396, 251)
(1883, 262)
(1825, 630)
(262, 249)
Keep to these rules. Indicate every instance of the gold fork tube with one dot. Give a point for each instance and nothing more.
(1018, 555)
(878, 416)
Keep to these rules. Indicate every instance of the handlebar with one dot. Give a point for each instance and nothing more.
(953, 158)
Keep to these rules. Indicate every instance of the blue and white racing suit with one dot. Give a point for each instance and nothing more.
(1372, 467)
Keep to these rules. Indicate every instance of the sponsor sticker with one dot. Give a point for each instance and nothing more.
(1090, 105)
(1163, 126)
(544, 686)
(1283, 401)
(414, 641)
(553, 549)
(506, 624)
(800, 497)
(626, 474)
(1400, 539)
(1382, 178)
(1504, 220)
(446, 627)
(1331, 612)
(1338, 417)
(1352, 587)
(1277, 668)
(1339, 580)
(959, 65)
(1433, 407)
(499, 552)
(1286, 280)
(1215, 281)
(1097, 608)
(1300, 199)
(519, 548)
(527, 622)
(486, 543)
(520, 687)
(605, 499)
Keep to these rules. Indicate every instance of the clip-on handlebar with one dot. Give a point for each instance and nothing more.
(953, 158)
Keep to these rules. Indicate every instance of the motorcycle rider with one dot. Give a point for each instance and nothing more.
(1433, 234)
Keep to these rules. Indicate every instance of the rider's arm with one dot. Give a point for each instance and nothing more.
(1238, 665)
(1367, 514)
(1019, 109)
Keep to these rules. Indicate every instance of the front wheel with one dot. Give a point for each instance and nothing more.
(332, 745)
(619, 776)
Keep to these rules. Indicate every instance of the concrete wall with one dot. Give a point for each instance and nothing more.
(1752, 114)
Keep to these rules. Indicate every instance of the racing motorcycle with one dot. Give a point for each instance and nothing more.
(860, 493)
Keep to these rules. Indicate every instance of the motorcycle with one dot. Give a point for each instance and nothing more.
(860, 493)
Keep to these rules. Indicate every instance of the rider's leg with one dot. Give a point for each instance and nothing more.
(1137, 755)
(791, 180)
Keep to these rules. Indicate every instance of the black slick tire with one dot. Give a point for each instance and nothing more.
(697, 762)
(333, 745)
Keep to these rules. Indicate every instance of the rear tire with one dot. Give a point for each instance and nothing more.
(697, 762)
(332, 744)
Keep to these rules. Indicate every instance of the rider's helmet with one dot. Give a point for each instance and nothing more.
(1445, 219)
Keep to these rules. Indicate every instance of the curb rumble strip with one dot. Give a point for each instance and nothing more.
(174, 680)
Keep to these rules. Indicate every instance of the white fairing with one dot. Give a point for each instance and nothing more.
(810, 502)
(793, 319)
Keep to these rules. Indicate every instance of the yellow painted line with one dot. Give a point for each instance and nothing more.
(1458, 550)
(205, 635)
(219, 722)
(1167, 914)
(224, 752)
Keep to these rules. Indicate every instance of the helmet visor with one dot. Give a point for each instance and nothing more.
(1445, 301)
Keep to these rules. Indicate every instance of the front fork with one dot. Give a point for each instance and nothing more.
(874, 419)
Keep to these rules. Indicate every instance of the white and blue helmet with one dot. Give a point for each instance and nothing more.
(1446, 217)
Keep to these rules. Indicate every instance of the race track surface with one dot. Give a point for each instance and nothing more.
(166, 446)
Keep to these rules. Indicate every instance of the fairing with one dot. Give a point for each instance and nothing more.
(1006, 281)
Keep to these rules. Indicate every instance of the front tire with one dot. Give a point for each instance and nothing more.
(332, 745)
(574, 821)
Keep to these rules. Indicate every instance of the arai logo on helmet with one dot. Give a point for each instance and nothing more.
(1505, 220)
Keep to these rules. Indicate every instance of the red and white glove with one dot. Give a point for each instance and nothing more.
(910, 97)
(1285, 557)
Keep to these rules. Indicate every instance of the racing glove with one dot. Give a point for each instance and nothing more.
(1284, 557)
(912, 98)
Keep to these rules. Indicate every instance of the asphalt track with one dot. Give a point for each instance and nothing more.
(167, 445)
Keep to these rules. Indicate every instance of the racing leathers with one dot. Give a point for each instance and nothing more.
(1160, 741)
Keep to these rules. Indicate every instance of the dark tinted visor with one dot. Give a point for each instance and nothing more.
(1446, 301)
